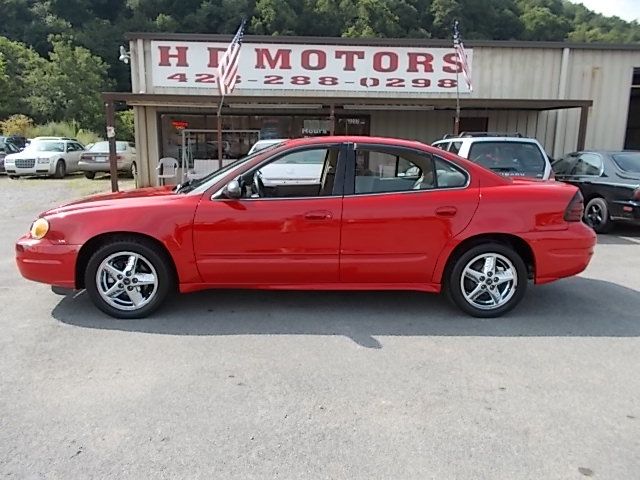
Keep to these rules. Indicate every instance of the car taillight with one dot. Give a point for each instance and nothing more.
(636, 194)
(575, 209)
(85, 157)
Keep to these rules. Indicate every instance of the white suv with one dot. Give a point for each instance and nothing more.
(511, 156)
(50, 156)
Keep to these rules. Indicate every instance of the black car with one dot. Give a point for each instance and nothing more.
(609, 182)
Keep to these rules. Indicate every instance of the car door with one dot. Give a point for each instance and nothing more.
(401, 207)
(275, 234)
(73, 152)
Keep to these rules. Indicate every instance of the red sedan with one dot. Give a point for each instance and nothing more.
(378, 214)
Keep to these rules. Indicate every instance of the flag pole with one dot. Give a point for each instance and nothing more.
(220, 131)
(456, 125)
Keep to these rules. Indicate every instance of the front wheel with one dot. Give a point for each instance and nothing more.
(61, 169)
(90, 175)
(133, 172)
(128, 279)
(487, 280)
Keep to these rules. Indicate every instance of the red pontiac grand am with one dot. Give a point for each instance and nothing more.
(341, 213)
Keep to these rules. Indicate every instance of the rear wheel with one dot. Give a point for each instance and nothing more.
(61, 169)
(487, 280)
(128, 278)
(90, 175)
(596, 215)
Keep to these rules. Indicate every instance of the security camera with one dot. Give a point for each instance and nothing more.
(124, 55)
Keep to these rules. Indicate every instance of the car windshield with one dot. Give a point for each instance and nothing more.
(103, 147)
(511, 159)
(201, 184)
(628, 161)
(47, 146)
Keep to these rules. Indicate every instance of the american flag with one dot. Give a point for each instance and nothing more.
(228, 66)
(462, 55)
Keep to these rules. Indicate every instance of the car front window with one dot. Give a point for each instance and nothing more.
(628, 161)
(511, 159)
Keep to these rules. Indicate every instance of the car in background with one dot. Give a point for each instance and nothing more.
(17, 141)
(6, 148)
(609, 182)
(45, 156)
(453, 227)
(510, 155)
(96, 159)
(262, 144)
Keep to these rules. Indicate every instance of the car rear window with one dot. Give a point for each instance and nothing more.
(511, 159)
(628, 161)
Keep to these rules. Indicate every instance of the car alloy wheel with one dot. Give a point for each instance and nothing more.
(127, 281)
(487, 280)
(61, 169)
(129, 278)
(596, 215)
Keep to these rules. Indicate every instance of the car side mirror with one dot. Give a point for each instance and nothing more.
(232, 190)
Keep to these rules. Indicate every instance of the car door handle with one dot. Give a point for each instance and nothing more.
(446, 211)
(318, 215)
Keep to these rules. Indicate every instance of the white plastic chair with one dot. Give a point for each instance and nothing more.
(167, 168)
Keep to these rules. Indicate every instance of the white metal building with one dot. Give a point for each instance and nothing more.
(568, 96)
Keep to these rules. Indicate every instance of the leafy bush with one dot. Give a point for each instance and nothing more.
(63, 129)
(16, 125)
(125, 129)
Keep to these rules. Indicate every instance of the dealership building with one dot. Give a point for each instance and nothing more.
(568, 96)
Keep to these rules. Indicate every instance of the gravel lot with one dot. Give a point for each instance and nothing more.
(242, 385)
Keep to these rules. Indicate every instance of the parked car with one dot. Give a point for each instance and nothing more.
(453, 226)
(6, 148)
(511, 155)
(609, 182)
(96, 159)
(17, 141)
(49, 156)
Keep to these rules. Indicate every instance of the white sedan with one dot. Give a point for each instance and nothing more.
(47, 156)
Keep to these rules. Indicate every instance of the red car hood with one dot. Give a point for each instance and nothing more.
(110, 199)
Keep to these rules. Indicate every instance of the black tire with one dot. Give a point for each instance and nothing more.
(90, 175)
(596, 215)
(14, 177)
(61, 169)
(150, 253)
(471, 257)
(133, 171)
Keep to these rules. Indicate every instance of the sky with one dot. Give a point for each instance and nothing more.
(627, 9)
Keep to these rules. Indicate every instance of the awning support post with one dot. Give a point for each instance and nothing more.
(332, 120)
(111, 137)
(220, 133)
(582, 129)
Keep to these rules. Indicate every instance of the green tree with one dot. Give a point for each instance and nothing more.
(22, 67)
(542, 24)
(71, 85)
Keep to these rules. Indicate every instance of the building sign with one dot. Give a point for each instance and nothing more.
(331, 68)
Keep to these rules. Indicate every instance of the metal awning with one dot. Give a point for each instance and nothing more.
(347, 103)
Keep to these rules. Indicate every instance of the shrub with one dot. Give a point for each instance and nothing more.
(64, 129)
(16, 125)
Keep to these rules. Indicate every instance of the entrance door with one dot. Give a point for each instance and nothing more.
(283, 231)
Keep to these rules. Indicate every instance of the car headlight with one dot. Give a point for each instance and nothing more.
(39, 228)
(43, 159)
(8, 160)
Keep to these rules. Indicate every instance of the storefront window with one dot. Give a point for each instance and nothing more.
(195, 138)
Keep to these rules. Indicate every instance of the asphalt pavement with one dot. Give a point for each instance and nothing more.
(392, 385)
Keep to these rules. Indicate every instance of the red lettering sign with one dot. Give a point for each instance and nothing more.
(180, 55)
(281, 59)
(349, 58)
(451, 59)
(390, 58)
(214, 56)
(423, 59)
(319, 59)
